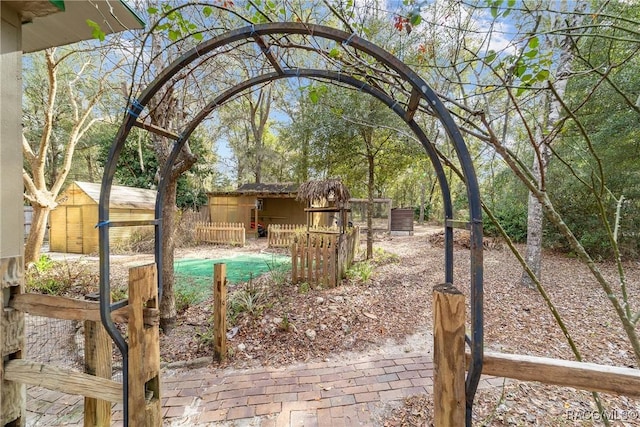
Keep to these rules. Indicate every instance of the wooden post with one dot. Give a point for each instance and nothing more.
(307, 272)
(255, 221)
(144, 350)
(220, 311)
(448, 356)
(12, 393)
(333, 262)
(97, 361)
(294, 262)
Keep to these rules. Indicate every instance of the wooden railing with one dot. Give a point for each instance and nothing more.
(283, 235)
(322, 258)
(228, 233)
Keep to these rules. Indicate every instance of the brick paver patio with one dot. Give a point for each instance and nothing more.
(353, 392)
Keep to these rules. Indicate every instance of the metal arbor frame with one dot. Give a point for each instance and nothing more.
(420, 92)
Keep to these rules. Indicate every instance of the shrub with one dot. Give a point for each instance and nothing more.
(382, 257)
(43, 264)
(361, 271)
(251, 300)
(285, 324)
(50, 277)
(304, 288)
(186, 297)
(278, 273)
(513, 219)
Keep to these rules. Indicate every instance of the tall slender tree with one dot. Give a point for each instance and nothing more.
(59, 111)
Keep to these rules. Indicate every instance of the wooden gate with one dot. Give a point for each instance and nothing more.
(142, 318)
(322, 258)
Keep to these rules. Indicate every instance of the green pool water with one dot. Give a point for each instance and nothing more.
(195, 276)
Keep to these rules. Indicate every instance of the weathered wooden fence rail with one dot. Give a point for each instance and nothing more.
(322, 258)
(450, 362)
(229, 233)
(565, 373)
(142, 318)
(283, 235)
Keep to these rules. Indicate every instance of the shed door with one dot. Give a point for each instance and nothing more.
(74, 229)
(58, 232)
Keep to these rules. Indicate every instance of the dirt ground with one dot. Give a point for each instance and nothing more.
(281, 323)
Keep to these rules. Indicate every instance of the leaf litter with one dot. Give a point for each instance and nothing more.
(392, 310)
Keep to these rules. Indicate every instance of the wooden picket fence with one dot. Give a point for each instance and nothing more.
(283, 235)
(322, 258)
(228, 233)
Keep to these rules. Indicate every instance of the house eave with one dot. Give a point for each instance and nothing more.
(47, 24)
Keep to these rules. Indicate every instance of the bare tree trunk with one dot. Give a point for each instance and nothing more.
(165, 110)
(535, 221)
(184, 162)
(535, 216)
(168, 312)
(33, 245)
(423, 191)
(370, 189)
(259, 114)
(50, 159)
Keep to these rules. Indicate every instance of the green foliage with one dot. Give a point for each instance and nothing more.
(187, 293)
(461, 205)
(496, 5)
(138, 166)
(360, 271)
(285, 324)
(507, 198)
(96, 31)
(427, 212)
(513, 219)
(48, 286)
(278, 273)
(579, 210)
(251, 300)
(304, 288)
(316, 91)
(595, 168)
(189, 196)
(119, 293)
(43, 264)
(347, 133)
(382, 257)
(174, 24)
(73, 279)
(530, 65)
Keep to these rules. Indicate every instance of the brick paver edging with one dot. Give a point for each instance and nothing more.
(324, 393)
(334, 393)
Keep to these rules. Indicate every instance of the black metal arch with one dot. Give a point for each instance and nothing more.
(419, 88)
